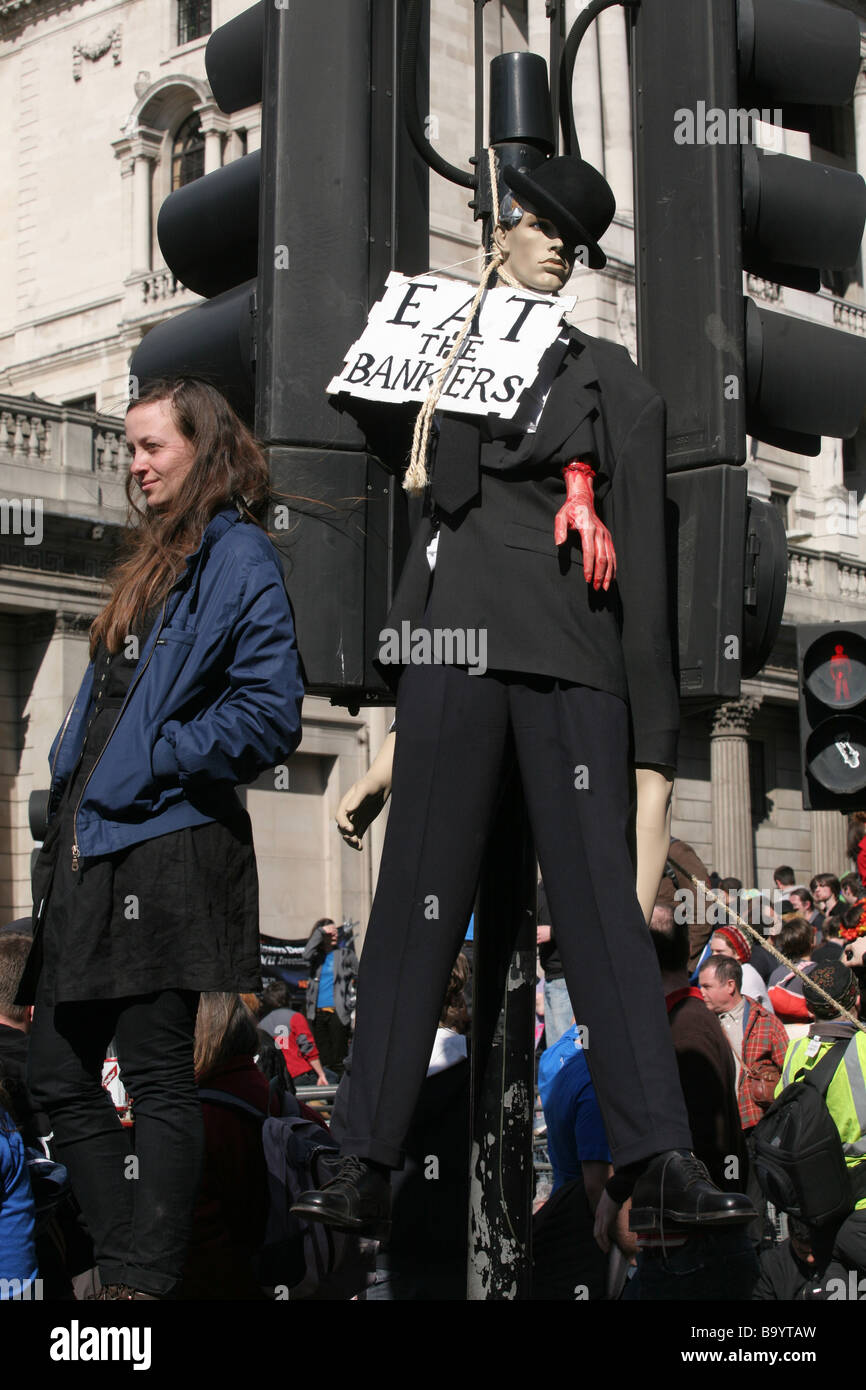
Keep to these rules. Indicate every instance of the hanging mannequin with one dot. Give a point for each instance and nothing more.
(579, 671)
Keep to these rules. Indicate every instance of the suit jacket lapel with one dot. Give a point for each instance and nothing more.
(574, 394)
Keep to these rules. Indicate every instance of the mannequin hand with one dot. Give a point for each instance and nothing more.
(365, 799)
(652, 831)
(358, 809)
(578, 514)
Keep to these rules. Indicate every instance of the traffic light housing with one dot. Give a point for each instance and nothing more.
(710, 206)
(290, 246)
(208, 233)
(727, 578)
(831, 666)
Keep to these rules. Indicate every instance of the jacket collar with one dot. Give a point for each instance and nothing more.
(219, 523)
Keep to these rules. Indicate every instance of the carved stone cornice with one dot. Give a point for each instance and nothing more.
(15, 15)
(68, 624)
(733, 718)
(212, 119)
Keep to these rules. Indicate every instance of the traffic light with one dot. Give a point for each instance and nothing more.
(831, 665)
(291, 245)
(208, 234)
(728, 578)
(710, 206)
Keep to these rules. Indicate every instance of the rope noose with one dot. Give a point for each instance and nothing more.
(416, 478)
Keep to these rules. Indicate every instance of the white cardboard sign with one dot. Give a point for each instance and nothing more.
(411, 329)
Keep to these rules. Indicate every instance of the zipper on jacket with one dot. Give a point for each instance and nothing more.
(62, 737)
(76, 856)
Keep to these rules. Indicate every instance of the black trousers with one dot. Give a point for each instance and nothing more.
(457, 737)
(136, 1188)
(331, 1038)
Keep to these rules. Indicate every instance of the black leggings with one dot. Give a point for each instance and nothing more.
(136, 1187)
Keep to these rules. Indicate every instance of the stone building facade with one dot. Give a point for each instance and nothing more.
(106, 106)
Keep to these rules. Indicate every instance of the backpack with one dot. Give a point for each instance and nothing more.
(799, 1159)
(300, 1259)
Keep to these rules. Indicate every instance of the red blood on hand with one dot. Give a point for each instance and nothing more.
(579, 514)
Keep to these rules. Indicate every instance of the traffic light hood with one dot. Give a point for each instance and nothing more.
(576, 197)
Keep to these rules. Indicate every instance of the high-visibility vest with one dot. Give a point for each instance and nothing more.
(846, 1094)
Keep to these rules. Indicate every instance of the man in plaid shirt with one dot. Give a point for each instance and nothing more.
(757, 1039)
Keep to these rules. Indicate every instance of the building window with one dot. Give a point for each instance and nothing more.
(81, 403)
(779, 500)
(193, 20)
(187, 153)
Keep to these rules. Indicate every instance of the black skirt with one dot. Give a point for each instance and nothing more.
(176, 912)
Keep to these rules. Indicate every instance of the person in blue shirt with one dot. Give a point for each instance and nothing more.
(330, 955)
(576, 1140)
(18, 1267)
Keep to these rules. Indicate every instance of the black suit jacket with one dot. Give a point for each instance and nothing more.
(498, 568)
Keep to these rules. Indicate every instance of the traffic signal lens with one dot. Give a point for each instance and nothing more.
(836, 755)
(835, 670)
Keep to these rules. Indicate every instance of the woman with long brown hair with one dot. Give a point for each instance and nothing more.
(145, 890)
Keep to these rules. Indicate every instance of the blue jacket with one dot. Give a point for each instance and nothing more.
(215, 699)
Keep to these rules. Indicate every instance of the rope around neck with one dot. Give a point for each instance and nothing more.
(416, 478)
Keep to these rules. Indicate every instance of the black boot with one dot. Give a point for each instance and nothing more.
(357, 1199)
(676, 1187)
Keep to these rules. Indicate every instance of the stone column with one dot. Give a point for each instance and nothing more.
(733, 844)
(616, 108)
(143, 149)
(233, 148)
(142, 229)
(829, 842)
(860, 139)
(214, 125)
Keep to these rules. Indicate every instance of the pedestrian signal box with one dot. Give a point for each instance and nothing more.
(831, 664)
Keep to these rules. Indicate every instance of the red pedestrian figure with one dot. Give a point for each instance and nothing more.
(840, 669)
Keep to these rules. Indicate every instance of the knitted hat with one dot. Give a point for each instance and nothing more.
(838, 981)
(737, 939)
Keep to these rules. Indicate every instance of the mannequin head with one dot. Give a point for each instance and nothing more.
(532, 248)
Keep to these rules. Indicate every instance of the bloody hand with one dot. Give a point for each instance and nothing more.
(578, 514)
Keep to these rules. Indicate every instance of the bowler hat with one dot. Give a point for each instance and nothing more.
(576, 198)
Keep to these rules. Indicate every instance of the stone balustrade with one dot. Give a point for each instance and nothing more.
(819, 582)
(851, 317)
(76, 459)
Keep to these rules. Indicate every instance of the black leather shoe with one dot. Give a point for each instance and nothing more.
(676, 1187)
(357, 1199)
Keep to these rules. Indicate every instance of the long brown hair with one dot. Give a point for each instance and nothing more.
(224, 1028)
(228, 467)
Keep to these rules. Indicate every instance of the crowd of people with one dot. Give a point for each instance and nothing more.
(745, 1025)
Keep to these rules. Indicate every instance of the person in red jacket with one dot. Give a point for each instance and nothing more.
(757, 1039)
(795, 941)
